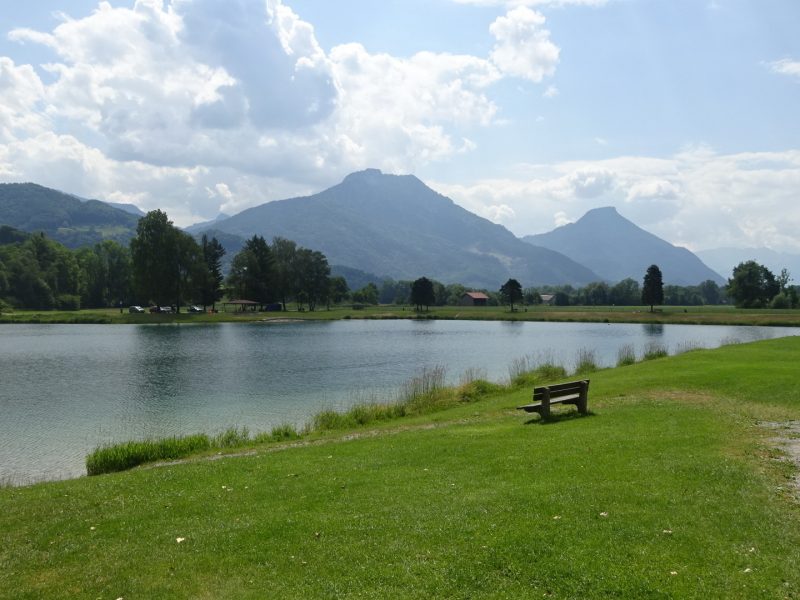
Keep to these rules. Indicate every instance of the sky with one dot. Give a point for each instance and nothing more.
(684, 114)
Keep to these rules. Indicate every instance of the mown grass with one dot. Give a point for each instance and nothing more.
(670, 490)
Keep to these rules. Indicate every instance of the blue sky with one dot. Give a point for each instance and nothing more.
(682, 113)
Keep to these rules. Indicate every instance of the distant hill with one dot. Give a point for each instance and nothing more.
(128, 208)
(202, 226)
(400, 228)
(615, 248)
(723, 260)
(63, 217)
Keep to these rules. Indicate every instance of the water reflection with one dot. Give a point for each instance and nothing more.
(653, 329)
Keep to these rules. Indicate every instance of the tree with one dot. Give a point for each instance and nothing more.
(252, 273)
(209, 288)
(625, 293)
(338, 290)
(710, 292)
(783, 279)
(422, 293)
(596, 294)
(165, 260)
(752, 285)
(105, 274)
(284, 252)
(366, 295)
(653, 287)
(511, 292)
(312, 273)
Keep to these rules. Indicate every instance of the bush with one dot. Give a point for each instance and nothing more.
(68, 302)
(781, 301)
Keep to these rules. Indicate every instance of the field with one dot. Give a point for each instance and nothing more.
(694, 315)
(675, 486)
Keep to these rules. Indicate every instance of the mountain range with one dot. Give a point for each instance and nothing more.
(615, 248)
(372, 226)
(396, 226)
(65, 218)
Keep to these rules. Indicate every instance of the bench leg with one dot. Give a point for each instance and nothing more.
(544, 410)
(583, 399)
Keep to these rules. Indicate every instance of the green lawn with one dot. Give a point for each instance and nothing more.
(670, 489)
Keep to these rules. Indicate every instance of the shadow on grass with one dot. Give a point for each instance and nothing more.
(558, 418)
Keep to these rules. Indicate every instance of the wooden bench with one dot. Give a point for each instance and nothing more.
(574, 392)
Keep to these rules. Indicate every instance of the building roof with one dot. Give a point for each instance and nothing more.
(477, 295)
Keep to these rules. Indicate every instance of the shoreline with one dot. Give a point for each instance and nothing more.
(677, 315)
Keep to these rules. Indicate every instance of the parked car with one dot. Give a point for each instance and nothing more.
(160, 309)
(194, 309)
(135, 309)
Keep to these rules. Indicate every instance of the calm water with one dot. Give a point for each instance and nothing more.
(64, 389)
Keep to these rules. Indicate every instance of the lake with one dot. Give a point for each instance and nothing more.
(66, 389)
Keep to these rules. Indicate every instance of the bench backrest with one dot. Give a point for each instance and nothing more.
(561, 389)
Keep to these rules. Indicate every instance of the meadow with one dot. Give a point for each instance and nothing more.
(674, 486)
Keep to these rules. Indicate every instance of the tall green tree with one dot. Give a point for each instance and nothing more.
(653, 287)
(252, 275)
(106, 274)
(284, 252)
(312, 275)
(211, 278)
(511, 292)
(165, 260)
(752, 285)
(422, 293)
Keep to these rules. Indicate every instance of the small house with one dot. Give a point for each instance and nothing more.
(474, 299)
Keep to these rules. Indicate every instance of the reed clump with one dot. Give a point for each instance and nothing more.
(124, 456)
(585, 362)
(654, 350)
(626, 355)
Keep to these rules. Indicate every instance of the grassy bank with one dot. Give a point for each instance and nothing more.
(671, 489)
(689, 315)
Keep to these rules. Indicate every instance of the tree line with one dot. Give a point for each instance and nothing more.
(162, 266)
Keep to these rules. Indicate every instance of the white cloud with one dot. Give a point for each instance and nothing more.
(242, 89)
(523, 47)
(786, 66)
(21, 90)
(696, 198)
(551, 92)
